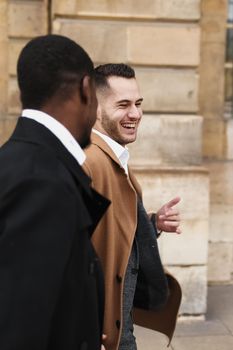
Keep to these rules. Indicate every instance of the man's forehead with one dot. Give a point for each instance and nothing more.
(124, 88)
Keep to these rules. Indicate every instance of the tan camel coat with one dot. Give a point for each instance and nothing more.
(113, 239)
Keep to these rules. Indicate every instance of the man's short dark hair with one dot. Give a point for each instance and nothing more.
(105, 71)
(50, 65)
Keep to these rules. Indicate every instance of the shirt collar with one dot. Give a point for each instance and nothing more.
(121, 152)
(59, 130)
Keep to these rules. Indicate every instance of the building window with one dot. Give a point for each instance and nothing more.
(229, 63)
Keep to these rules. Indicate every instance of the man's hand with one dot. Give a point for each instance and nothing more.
(168, 217)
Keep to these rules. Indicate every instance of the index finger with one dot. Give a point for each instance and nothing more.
(173, 202)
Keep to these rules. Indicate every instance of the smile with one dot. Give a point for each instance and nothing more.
(129, 125)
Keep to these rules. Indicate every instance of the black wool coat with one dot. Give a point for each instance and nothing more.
(51, 283)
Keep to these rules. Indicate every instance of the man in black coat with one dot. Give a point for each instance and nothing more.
(51, 288)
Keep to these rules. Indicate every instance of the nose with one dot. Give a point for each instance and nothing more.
(134, 112)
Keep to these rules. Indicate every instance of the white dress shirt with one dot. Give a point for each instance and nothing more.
(59, 130)
(121, 152)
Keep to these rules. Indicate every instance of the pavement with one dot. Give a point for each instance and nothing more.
(213, 333)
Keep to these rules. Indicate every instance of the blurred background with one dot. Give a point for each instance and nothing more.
(182, 51)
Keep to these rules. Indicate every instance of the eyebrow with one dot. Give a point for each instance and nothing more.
(127, 101)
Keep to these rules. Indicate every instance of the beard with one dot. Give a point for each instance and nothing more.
(111, 128)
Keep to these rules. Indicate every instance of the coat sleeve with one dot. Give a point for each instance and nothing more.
(37, 225)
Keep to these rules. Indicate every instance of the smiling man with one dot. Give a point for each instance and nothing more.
(119, 109)
(125, 238)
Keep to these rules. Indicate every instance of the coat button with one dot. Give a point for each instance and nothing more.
(118, 278)
(84, 346)
(118, 324)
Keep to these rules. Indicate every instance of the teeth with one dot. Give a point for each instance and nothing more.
(129, 125)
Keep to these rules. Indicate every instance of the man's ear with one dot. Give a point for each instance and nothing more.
(86, 89)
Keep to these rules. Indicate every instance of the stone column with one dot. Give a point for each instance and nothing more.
(217, 139)
(211, 93)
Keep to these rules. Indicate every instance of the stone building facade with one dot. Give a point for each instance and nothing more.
(185, 144)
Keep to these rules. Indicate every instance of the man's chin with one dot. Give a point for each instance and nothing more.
(129, 139)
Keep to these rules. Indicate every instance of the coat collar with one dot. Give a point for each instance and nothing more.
(99, 142)
(30, 131)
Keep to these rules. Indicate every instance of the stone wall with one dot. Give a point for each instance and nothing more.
(177, 49)
(217, 140)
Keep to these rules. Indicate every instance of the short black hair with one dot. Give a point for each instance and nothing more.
(48, 65)
(105, 71)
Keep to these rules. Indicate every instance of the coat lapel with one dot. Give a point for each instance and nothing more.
(30, 131)
(135, 183)
(98, 141)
